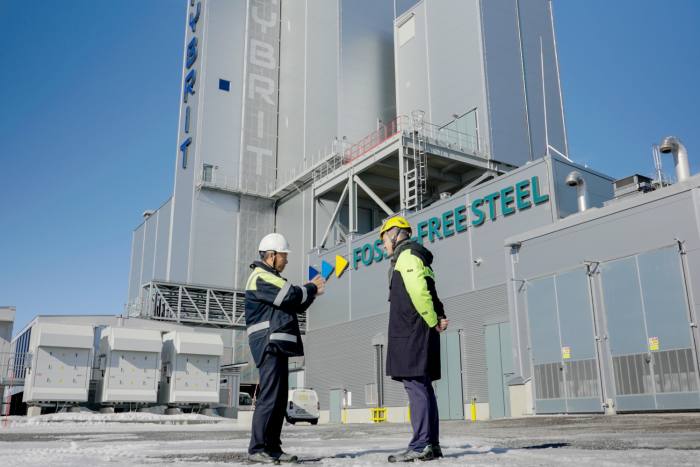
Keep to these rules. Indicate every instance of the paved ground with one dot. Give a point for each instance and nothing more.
(663, 440)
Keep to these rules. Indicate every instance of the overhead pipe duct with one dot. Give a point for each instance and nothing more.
(576, 179)
(673, 145)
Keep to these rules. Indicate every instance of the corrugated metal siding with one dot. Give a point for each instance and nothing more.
(468, 313)
(342, 356)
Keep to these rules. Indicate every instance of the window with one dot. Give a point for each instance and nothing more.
(207, 172)
(224, 85)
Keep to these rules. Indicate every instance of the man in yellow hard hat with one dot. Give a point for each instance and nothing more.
(416, 319)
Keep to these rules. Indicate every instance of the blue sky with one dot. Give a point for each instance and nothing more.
(90, 93)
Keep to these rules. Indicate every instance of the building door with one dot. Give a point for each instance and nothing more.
(336, 406)
(562, 337)
(499, 366)
(654, 359)
(448, 389)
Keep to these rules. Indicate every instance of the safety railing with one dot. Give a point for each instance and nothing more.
(449, 138)
(371, 141)
(338, 155)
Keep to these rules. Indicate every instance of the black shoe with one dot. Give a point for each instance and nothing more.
(437, 451)
(409, 456)
(285, 458)
(262, 458)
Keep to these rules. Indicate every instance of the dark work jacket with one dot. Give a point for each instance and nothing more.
(413, 344)
(271, 307)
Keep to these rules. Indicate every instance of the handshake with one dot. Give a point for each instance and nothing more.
(320, 284)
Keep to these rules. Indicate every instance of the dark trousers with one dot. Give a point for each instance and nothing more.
(425, 419)
(271, 405)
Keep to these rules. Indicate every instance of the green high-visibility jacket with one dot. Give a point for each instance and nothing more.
(415, 309)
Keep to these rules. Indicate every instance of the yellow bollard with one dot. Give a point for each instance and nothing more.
(473, 407)
(408, 413)
(378, 414)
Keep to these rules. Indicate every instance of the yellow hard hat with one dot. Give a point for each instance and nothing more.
(396, 221)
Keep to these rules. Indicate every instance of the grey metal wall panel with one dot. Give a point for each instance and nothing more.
(504, 75)
(223, 46)
(256, 219)
(451, 255)
(599, 188)
(322, 77)
(136, 261)
(214, 239)
(456, 61)
(292, 79)
(535, 23)
(149, 247)
(487, 239)
(613, 235)
(370, 292)
(261, 91)
(469, 312)
(333, 307)
(160, 269)
(292, 222)
(367, 68)
(412, 89)
(542, 311)
(343, 357)
(599, 239)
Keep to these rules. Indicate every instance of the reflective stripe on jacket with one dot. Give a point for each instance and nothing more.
(271, 307)
(413, 343)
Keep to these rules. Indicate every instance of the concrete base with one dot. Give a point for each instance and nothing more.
(172, 411)
(209, 412)
(33, 411)
(106, 409)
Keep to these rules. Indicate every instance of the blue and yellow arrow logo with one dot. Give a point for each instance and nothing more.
(341, 264)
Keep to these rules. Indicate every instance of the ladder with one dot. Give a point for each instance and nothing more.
(415, 172)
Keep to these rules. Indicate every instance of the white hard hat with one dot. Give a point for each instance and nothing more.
(274, 242)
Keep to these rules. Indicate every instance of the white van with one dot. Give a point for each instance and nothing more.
(303, 406)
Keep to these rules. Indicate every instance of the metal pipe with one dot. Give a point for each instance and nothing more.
(576, 179)
(673, 145)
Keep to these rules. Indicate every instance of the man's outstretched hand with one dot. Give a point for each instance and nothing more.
(320, 284)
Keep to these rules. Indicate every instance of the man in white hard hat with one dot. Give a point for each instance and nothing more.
(271, 307)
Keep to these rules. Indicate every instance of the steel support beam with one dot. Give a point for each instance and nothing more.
(373, 195)
(338, 207)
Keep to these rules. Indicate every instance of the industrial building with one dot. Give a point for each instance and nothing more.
(567, 291)
(449, 112)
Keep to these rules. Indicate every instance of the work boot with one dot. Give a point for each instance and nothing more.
(409, 455)
(437, 451)
(262, 458)
(286, 458)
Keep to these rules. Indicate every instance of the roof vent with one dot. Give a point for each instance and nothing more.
(672, 145)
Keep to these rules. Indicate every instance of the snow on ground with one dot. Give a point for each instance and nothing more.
(117, 422)
(195, 440)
